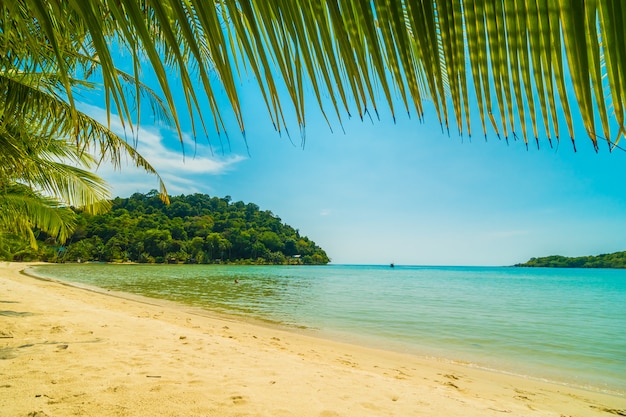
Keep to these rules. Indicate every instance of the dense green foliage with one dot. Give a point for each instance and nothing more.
(611, 260)
(356, 57)
(516, 59)
(192, 229)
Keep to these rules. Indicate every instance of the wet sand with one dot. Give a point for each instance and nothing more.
(68, 351)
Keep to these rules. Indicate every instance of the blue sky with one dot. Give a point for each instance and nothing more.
(400, 192)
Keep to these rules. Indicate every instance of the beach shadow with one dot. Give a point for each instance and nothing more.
(8, 353)
(12, 352)
(10, 313)
(9, 302)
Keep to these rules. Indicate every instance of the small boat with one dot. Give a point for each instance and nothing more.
(392, 265)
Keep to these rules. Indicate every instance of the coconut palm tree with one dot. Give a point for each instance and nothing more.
(35, 194)
(515, 57)
(39, 173)
(49, 147)
(43, 172)
(35, 105)
(46, 159)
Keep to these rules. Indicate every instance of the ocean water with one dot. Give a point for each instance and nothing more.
(563, 325)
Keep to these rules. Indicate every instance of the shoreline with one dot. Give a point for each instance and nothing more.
(69, 350)
(542, 370)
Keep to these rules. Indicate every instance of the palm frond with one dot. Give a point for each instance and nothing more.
(515, 58)
(22, 211)
(34, 111)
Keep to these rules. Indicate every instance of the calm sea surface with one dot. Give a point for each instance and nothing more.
(565, 325)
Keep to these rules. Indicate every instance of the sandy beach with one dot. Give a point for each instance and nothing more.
(67, 351)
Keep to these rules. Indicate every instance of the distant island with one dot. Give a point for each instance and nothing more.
(611, 260)
(195, 228)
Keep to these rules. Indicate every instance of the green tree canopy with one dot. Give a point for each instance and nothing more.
(142, 229)
(610, 260)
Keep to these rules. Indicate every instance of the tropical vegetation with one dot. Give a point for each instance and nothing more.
(49, 148)
(35, 168)
(519, 61)
(611, 260)
(195, 228)
(516, 57)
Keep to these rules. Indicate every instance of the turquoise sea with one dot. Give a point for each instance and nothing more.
(563, 325)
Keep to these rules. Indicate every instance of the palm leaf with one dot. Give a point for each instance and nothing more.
(354, 51)
(22, 210)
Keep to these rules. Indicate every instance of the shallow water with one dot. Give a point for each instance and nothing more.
(565, 325)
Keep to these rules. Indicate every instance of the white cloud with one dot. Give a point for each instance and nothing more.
(179, 170)
(325, 212)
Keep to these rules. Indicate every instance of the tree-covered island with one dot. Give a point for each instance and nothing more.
(611, 260)
(195, 228)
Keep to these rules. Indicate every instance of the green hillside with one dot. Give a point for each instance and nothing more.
(195, 228)
(612, 260)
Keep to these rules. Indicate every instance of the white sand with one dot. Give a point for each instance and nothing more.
(66, 351)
